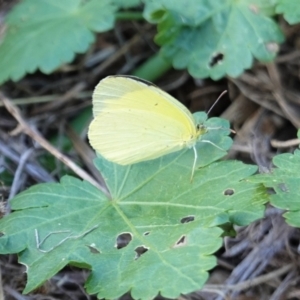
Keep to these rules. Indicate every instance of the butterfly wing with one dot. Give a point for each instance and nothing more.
(135, 121)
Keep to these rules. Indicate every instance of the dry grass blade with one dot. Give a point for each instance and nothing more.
(249, 283)
(85, 153)
(15, 112)
(33, 169)
(285, 144)
(278, 94)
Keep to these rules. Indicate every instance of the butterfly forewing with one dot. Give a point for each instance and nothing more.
(136, 122)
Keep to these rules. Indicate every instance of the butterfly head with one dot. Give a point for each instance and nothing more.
(200, 118)
(201, 129)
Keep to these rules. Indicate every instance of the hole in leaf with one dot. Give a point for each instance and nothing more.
(229, 192)
(283, 187)
(123, 240)
(216, 59)
(271, 191)
(1, 234)
(93, 249)
(187, 219)
(147, 233)
(181, 242)
(140, 251)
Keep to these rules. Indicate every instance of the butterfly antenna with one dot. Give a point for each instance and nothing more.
(222, 94)
(195, 161)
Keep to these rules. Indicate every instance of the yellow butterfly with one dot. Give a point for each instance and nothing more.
(136, 121)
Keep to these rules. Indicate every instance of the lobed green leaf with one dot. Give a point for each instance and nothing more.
(285, 181)
(45, 34)
(290, 9)
(156, 233)
(214, 39)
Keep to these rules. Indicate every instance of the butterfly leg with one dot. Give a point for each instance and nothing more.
(196, 155)
(195, 161)
(209, 142)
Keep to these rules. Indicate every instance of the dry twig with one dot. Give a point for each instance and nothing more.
(15, 112)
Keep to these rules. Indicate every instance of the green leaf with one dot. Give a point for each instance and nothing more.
(153, 68)
(290, 9)
(169, 225)
(215, 38)
(285, 180)
(127, 3)
(47, 33)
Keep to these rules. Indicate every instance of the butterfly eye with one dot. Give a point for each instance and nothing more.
(201, 129)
